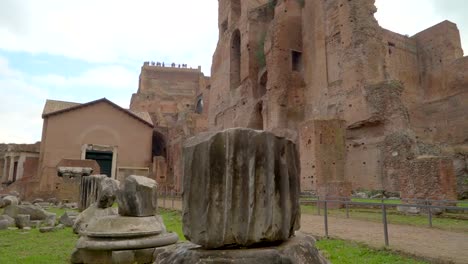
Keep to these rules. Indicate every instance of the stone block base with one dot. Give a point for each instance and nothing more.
(139, 256)
(298, 250)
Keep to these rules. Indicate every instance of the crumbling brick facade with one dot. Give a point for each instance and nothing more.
(280, 65)
(177, 99)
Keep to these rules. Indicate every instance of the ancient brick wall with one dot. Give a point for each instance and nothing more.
(177, 100)
(323, 157)
(165, 91)
(429, 178)
(385, 86)
(30, 167)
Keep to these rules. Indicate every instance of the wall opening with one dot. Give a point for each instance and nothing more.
(235, 59)
(103, 158)
(159, 144)
(15, 170)
(262, 82)
(199, 106)
(296, 60)
(257, 118)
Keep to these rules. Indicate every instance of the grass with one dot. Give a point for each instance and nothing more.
(33, 247)
(344, 252)
(446, 221)
(173, 222)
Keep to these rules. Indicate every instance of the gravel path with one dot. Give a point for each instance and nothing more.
(430, 243)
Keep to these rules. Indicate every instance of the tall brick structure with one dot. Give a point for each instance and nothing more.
(281, 65)
(176, 98)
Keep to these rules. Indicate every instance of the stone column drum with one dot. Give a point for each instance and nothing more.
(89, 190)
(241, 188)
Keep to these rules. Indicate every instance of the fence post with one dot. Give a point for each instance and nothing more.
(165, 194)
(347, 209)
(384, 218)
(318, 205)
(325, 214)
(429, 213)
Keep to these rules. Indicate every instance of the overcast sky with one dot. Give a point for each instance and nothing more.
(82, 50)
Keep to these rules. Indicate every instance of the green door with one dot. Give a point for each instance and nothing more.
(103, 158)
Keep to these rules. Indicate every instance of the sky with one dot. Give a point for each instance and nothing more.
(83, 50)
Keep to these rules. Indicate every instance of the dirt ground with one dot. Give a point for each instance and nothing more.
(433, 244)
(429, 243)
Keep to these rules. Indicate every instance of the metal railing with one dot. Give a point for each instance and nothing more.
(427, 204)
(168, 198)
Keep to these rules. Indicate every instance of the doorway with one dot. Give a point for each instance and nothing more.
(103, 158)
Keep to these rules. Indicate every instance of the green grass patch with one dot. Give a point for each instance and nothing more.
(347, 252)
(446, 221)
(33, 247)
(59, 211)
(173, 222)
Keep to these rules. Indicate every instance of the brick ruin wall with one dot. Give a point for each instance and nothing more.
(279, 66)
(176, 99)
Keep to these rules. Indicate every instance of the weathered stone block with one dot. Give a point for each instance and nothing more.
(36, 224)
(89, 214)
(9, 200)
(137, 196)
(107, 192)
(298, 250)
(36, 212)
(8, 219)
(89, 190)
(123, 257)
(4, 224)
(68, 218)
(144, 255)
(241, 187)
(113, 244)
(22, 221)
(51, 219)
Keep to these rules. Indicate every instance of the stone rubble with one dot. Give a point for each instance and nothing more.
(128, 237)
(137, 197)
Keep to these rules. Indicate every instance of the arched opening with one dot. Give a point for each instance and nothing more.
(159, 144)
(256, 120)
(235, 59)
(199, 106)
(262, 82)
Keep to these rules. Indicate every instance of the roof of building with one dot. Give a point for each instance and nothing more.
(33, 148)
(54, 107)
